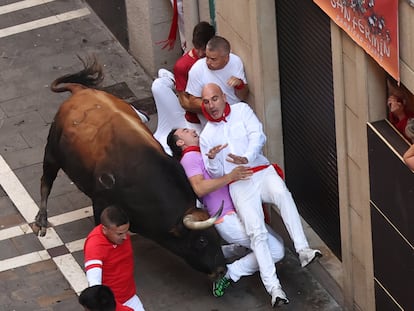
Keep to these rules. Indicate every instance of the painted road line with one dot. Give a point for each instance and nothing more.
(23, 260)
(71, 216)
(51, 239)
(57, 220)
(17, 193)
(67, 264)
(15, 231)
(75, 246)
(72, 272)
(4, 9)
(51, 20)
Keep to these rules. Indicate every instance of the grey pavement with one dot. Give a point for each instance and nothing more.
(29, 62)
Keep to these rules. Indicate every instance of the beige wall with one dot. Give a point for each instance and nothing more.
(251, 30)
(406, 23)
(149, 22)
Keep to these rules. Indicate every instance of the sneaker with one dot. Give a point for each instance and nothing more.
(219, 286)
(143, 116)
(308, 255)
(279, 297)
(164, 73)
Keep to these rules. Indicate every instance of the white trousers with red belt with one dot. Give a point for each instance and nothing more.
(248, 195)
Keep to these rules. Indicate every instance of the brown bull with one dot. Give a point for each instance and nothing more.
(102, 145)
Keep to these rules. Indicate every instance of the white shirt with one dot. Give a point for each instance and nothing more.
(243, 132)
(199, 75)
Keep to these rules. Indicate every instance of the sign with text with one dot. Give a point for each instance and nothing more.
(372, 24)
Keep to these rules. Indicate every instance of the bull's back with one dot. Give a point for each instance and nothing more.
(91, 121)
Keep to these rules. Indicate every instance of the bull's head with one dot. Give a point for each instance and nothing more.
(201, 242)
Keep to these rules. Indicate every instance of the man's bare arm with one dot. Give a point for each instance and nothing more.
(240, 88)
(189, 102)
(409, 157)
(203, 186)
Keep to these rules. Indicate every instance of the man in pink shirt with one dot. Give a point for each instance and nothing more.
(184, 145)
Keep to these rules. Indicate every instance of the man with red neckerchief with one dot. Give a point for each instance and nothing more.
(184, 144)
(222, 67)
(234, 136)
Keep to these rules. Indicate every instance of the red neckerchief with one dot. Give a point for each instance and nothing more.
(189, 149)
(226, 112)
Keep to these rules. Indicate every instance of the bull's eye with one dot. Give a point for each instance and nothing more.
(202, 242)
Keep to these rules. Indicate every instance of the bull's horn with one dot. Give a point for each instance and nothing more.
(193, 224)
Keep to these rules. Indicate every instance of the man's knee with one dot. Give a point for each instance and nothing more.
(160, 84)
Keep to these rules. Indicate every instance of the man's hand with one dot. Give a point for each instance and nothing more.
(213, 151)
(234, 82)
(236, 159)
(240, 172)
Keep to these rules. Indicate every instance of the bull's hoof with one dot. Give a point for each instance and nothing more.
(39, 230)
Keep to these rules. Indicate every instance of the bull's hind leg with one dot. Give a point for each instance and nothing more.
(50, 170)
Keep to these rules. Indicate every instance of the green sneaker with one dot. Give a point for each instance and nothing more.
(219, 286)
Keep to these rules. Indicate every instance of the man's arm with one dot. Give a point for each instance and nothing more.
(93, 261)
(203, 186)
(189, 102)
(241, 89)
(242, 93)
(409, 157)
(254, 133)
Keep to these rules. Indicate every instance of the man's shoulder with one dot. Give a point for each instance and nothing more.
(235, 58)
(96, 237)
(240, 105)
(200, 64)
(185, 60)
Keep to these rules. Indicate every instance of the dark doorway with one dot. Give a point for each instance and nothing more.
(308, 116)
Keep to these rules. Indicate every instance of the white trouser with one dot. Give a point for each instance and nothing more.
(232, 230)
(169, 111)
(134, 303)
(248, 195)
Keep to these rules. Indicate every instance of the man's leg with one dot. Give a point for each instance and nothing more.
(246, 199)
(274, 191)
(169, 111)
(232, 230)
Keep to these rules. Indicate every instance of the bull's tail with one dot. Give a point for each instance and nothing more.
(91, 76)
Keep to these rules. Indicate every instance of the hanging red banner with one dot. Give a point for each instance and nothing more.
(372, 24)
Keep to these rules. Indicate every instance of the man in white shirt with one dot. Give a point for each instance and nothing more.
(222, 67)
(234, 136)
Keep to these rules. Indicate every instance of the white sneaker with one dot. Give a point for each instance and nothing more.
(164, 73)
(279, 297)
(141, 114)
(308, 255)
